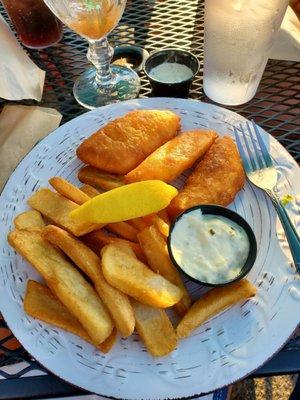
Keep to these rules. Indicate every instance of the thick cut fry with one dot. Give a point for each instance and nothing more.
(125, 142)
(216, 179)
(98, 239)
(116, 302)
(124, 230)
(163, 214)
(108, 343)
(137, 223)
(131, 276)
(40, 303)
(212, 303)
(95, 177)
(155, 248)
(89, 190)
(29, 219)
(172, 158)
(149, 219)
(57, 208)
(68, 190)
(155, 329)
(65, 282)
(162, 226)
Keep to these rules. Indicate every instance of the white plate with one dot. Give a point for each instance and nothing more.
(223, 350)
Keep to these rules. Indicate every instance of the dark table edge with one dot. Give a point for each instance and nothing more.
(49, 386)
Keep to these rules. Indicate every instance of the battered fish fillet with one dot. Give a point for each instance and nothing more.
(216, 180)
(172, 158)
(124, 143)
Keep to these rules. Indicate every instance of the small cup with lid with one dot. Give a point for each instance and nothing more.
(171, 72)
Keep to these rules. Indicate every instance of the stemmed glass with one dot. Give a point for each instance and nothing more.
(94, 19)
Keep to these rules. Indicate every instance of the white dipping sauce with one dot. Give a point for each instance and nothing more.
(210, 248)
(171, 72)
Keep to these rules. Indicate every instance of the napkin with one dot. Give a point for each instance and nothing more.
(20, 77)
(287, 44)
(21, 127)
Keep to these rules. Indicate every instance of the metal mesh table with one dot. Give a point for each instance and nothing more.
(152, 25)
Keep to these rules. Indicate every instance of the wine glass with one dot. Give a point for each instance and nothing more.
(94, 19)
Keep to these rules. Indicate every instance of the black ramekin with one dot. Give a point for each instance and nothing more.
(177, 89)
(231, 215)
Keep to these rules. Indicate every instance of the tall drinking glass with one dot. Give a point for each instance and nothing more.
(238, 35)
(94, 19)
(35, 24)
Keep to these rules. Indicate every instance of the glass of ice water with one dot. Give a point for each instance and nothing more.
(238, 35)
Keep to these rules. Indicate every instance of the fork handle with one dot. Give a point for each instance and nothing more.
(289, 229)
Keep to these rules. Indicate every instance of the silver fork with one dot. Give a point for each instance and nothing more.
(261, 172)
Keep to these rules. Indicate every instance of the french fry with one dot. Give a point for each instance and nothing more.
(95, 177)
(124, 271)
(40, 303)
(29, 219)
(137, 223)
(212, 303)
(149, 219)
(65, 282)
(68, 190)
(89, 190)
(108, 343)
(155, 329)
(57, 208)
(154, 246)
(162, 226)
(116, 302)
(124, 230)
(98, 239)
(164, 216)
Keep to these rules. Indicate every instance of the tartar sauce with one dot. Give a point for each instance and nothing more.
(210, 248)
(171, 72)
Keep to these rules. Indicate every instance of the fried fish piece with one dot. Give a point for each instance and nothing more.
(216, 180)
(125, 142)
(172, 158)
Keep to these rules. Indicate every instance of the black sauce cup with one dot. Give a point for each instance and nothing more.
(231, 215)
(134, 55)
(177, 89)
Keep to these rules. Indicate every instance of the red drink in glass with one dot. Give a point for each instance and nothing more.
(36, 25)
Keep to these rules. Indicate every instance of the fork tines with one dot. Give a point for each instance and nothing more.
(254, 153)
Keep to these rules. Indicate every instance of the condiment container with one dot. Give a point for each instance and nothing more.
(167, 85)
(130, 56)
(230, 215)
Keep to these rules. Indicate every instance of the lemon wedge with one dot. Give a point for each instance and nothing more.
(126, 202)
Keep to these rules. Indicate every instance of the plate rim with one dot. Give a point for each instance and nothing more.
(143, 101)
